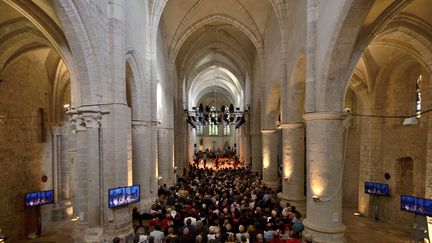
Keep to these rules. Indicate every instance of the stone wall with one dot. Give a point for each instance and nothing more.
(25, 156)
(384, 145)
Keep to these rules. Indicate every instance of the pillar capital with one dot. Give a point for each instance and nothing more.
(324, 115)
(86, 117)
(292, 125)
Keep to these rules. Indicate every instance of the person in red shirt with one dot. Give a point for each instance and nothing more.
(294, 237)
(276, 238)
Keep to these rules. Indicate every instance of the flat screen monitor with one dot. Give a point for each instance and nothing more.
(417, 205)
(374, 188)
(123, 196)
(33, 199)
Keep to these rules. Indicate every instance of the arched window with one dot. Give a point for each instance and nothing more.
(418, 96)
(227, 130)
(199, 130)
(213, 129)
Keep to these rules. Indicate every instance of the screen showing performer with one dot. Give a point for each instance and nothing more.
(33, 199)
(123, 195)
(374, 188)
(416, 205)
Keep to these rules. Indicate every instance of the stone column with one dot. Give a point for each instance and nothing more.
(246, 145)
(141, 161)
(293, 176)
(65, 155)
(165, 155)
(86, 181)
(269, 161)
(256, 152)
(324, 132)
(190, 143)
(180, 148)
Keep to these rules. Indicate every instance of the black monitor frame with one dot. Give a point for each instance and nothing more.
(139, 195)
(31, 206)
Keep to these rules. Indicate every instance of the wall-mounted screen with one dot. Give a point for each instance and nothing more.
(33, 199)
(374, 188)
(416, 205)
(123, 195)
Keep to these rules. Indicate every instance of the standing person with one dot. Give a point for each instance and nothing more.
(157, 234)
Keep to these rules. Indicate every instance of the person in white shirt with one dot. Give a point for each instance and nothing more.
(157, 234)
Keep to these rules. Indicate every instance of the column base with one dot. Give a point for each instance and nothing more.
(324, 234)
(298, 202)
(93, 234)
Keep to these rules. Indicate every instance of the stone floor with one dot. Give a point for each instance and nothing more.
(359, 229)
(60, 234)
(362, 229)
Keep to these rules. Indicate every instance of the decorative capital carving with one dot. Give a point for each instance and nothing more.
(86, 117)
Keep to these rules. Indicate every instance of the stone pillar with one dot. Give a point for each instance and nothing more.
(246, 145)
(115, 130)
(256, 152)
(141, 161)
(165, 155)
(180, 148)
(324, 132)
(269, 161)
(190, 143)
(239, 137)
(65, 157)
(293, 176)
(86, 181)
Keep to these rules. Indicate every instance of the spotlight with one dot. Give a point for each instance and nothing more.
(356, 214)
(316, 198)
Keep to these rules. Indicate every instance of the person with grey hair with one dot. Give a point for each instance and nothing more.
(242, 233)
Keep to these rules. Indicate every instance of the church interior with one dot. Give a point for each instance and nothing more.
(114, 113)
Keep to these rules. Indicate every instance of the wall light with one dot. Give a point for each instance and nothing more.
(67, 107)
(75, 219)
(410, 121)
(356, 214)
(316, 198)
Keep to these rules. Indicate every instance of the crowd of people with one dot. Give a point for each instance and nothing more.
(226, 152)
(230, 205)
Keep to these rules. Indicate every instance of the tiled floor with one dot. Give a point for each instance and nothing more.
(359, 229)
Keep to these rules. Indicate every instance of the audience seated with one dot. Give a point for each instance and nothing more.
(227, 205)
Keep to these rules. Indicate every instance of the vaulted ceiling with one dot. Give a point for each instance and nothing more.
(214, 45)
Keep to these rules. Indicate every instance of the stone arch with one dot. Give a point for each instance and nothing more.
(295, 92)
(134, 81)
(58, 39)
(338, 54)
(236, 60)
(177, 43)
(272, 108)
